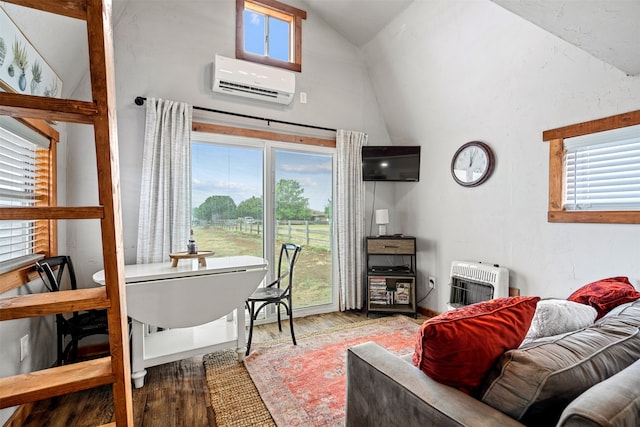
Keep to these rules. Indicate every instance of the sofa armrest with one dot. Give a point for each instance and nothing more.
(613, 402)
(385, 390)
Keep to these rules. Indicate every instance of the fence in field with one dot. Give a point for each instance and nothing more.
(308, 233)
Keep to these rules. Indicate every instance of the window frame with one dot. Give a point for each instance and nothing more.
(555, 137)
(277, 140)
(47, 234)
(279, 9)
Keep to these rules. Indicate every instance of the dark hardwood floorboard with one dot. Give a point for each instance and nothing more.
(174, 394)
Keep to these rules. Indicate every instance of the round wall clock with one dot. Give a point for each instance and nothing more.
(472, 164)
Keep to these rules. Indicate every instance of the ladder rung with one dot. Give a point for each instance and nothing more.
(55, 381)
(45, 108)
(43, 304)
(52, 212)
(71, 8)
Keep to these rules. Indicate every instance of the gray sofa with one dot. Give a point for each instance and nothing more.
(588, 377)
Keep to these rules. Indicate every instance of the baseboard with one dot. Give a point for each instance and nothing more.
(19, 417)
(427, 312)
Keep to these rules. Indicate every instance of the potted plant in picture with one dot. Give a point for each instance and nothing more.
(36, 77)
(21, 61)
(52, 90)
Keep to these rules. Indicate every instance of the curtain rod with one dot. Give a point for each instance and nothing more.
(140, 101)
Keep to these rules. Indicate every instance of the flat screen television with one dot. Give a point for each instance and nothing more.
(391, 163)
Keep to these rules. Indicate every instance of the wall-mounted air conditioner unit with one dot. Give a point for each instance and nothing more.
(251, 80)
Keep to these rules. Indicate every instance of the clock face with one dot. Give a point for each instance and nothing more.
(472, 164)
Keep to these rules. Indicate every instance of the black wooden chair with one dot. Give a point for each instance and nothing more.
(80, 324)
(279, 292)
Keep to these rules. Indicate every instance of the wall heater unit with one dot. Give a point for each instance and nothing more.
(473, 282)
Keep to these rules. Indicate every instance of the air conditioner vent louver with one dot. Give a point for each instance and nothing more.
(248, 89)
(251, 80)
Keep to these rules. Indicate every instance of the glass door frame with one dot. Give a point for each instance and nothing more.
(269, 237)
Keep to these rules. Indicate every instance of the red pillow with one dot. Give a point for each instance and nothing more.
(606, 294)
(458, 347)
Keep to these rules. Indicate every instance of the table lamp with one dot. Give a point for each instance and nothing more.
(382, 219)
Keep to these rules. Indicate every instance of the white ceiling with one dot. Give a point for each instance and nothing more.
(358, 20)
(607, 29)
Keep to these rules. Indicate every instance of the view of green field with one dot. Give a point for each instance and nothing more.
(312, 274)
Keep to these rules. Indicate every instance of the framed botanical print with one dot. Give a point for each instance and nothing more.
(22, 68)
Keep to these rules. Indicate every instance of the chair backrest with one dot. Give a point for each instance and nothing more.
(288, 257)
(51, 280)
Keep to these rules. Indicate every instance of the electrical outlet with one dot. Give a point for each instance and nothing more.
(24, 347)
(432, 282)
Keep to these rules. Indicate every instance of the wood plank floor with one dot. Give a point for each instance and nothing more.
(174, 394)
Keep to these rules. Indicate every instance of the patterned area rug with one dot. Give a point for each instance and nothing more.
(305, 385)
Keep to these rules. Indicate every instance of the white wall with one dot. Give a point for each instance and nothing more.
(448, 72)
(41, 333)
(165, 49)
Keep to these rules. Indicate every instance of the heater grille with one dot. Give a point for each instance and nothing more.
(473, 282)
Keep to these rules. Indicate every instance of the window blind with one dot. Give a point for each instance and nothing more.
(18, 187)
(602, 170)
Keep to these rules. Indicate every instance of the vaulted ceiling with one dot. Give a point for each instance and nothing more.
(358, 20)
(607, 29)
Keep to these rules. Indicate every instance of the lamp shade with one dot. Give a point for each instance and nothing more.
(382, 216)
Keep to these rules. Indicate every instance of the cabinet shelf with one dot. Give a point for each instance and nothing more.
(396, 308)
(391, 273)
(391, 288)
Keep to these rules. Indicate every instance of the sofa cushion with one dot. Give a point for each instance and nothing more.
(628, 310)
(536, 382)
(557, 316)
(613, 402)
(605, 294)
(458, 347)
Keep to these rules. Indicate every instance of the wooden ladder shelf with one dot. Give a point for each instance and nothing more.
(100, 113)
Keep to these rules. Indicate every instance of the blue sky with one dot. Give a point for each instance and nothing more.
(254, 25)
(237, 172)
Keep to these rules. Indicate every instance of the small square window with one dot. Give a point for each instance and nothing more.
(269, 32)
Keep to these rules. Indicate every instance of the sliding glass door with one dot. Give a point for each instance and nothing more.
(303, 215)
(249, 196)
(227, 198)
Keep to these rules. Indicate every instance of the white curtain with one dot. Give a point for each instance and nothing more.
(349, 211)
(165, 196)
